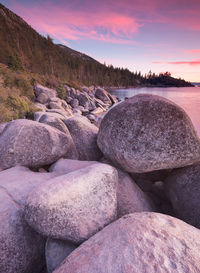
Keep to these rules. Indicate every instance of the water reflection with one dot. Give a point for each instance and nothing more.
(186, 97)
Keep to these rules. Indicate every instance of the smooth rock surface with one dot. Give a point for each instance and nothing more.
(74, 206)
(64, 166)
(19, 181)
(38, 115)
(54, 122)
(84, 135)
(138, 243)
(41, 107)
(183, 190)
(102, 94)
(130, 198)
(30, 143)
(147, 133)
(44, 94)
(65, 113)
(56, 251)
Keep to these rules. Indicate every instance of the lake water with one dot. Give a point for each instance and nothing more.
(186, 97)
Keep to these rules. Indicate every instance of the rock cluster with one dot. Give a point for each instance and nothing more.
(78, 198)
(89, 102)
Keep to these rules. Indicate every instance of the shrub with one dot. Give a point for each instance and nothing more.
(21, 82)
(14, 62)
(5, 113)
(61, 92)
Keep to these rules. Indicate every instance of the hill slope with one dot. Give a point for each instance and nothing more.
(22, 48)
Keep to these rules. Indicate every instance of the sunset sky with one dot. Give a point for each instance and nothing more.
(142, 35)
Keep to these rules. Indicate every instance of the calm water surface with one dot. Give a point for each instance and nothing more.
(186, 97)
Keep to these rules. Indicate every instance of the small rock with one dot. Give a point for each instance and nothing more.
(44, 94)
(102, 94)
(56, 105)
(91, 118)
(97, 111)
(40, 106)
(74, 103)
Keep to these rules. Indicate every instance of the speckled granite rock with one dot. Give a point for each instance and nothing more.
(30, 143)
(43, 94)
(21, 248)
(183, 190)
(84, 135)
(102, 94)
(54, 122)
(136, 243)
(56, 251)
(74, 206)
(147, 133)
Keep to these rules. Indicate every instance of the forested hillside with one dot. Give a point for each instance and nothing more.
(22, 48)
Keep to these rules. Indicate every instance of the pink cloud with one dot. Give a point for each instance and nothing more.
(157, 62)
(192, 63)
(68, 24)
(193, 51)
(179, 13)
(110, 21)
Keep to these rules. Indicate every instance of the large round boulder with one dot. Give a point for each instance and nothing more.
(74, 206)
(33, 144)
(183, 190)
(139, 242)
(147, 133)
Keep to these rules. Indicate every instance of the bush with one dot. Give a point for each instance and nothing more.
(14, 62)
(21, 82)
(5, 113)
(61, 92)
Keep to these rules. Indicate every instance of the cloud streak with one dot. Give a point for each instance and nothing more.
(68, 24)
(192, 63)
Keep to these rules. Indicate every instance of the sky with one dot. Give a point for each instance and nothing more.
(141, 35)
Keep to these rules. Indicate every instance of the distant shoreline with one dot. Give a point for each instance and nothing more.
(110, 89)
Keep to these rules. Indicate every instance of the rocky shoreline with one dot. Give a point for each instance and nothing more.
(82, 193)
